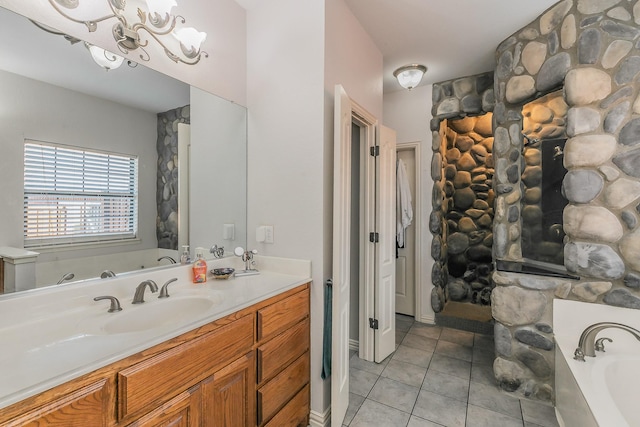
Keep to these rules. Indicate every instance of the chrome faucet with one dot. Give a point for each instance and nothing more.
(171, 260)
(587, 345)
(164, 291)
(115, 304)
(138, 298)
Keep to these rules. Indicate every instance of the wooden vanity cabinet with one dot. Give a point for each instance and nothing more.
(250, 368)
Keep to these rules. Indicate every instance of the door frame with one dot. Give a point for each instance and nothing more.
(417, 222)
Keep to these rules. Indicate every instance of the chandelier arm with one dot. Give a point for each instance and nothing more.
(92, 24)
(140, 26)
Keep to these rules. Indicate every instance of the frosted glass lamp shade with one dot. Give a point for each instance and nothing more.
(104, 58)
(190, 40)
(410, 76)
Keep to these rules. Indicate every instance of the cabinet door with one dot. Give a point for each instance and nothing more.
(228, 396)
(181, 411)
(84, 407)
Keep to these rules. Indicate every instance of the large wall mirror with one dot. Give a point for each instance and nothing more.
(53, 91)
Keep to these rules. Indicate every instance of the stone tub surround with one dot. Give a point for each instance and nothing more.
(468, 97)
(167, 180)
(590, 47)
(52, 335)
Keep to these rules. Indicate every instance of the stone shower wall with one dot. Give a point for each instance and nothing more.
(590, 47)
(167, 172)
(465, 97)
(468, 188)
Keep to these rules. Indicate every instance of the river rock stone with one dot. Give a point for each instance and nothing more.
(629, 69)
(630, 248)
(588, 7)
(568, 32)
(533, 56)
(462, 179)
(532, 176)
(532, 195)
(466, 163)
(589, 150)
(553, 72)
(582, 185)
(582, 120)
(629, 162)
(589, 44)
(520, 88)
(562, 291)
(632, 280)
(590, 291)
(586, 85)
(437, 299)
(464, 142)
(435, 222)
(622, 298)
(592, 223)
(502, 339)
(621, 193)
(449, 107)
(630, 133)
(508, 374)
(619, 30)
(479, 253)
(554, 16)
(617, 50)
(534, 361)
(514, 306)
(534, 339)
(616, 116)
(463, 198)
(458, 290)
(457, 243)
(466, 225)
(630, 219)
(543, 327)
(594, 260)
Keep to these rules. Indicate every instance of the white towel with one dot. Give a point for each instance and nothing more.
(404, 210)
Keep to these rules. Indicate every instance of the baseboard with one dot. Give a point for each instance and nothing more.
(430, 319)
(354, 345)
(317, 419)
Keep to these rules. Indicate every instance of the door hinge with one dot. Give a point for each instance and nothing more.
(374, 151)
(374, 237)
(373, 323)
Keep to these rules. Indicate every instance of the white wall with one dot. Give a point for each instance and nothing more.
(34, 110)
(223, 73)
(291, 74)
(409, 113)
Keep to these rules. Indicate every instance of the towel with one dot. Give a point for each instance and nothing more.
(326, 335)
(404, 209)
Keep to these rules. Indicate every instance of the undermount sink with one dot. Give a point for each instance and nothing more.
(157, 313)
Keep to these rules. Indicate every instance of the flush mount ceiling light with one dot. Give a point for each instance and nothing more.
(155, 23)
(410, 76)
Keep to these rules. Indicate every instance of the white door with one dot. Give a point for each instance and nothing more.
(385, 268)
(406, 261)
(341, 257)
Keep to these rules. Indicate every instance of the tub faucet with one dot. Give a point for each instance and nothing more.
(107, 273)
(588, 343)
(138, 298)
(171, 260)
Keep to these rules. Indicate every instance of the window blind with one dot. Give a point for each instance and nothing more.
(74, 195)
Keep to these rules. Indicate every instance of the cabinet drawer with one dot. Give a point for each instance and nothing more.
(87, 406)
(282, 315)
(283, 387)
(282, 350)
(295, 413)
(163, 376)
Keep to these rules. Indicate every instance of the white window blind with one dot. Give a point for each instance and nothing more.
(73, 195)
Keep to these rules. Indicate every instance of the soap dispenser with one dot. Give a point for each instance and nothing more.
(185, 258)
(199, 267)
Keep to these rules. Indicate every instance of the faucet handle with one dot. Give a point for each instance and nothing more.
(600, 343)
(115, 304)
(164, 292)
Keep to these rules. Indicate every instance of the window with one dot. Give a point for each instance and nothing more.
(73, 195)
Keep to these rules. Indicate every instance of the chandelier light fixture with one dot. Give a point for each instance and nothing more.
(409, 76)
(133, 31)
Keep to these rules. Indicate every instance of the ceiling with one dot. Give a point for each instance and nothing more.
(453, 38)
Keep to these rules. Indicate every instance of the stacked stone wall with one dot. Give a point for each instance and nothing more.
(590, 47)
(468, 188)
(467, 97)
(167, 176)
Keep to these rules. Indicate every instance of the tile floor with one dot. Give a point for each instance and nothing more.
(436, 377)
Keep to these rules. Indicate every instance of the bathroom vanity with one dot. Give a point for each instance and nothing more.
(244, 362)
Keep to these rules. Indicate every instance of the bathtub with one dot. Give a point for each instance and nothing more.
(604, 390)
(49, 272)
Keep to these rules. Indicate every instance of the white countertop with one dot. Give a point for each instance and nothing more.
(52, 335)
